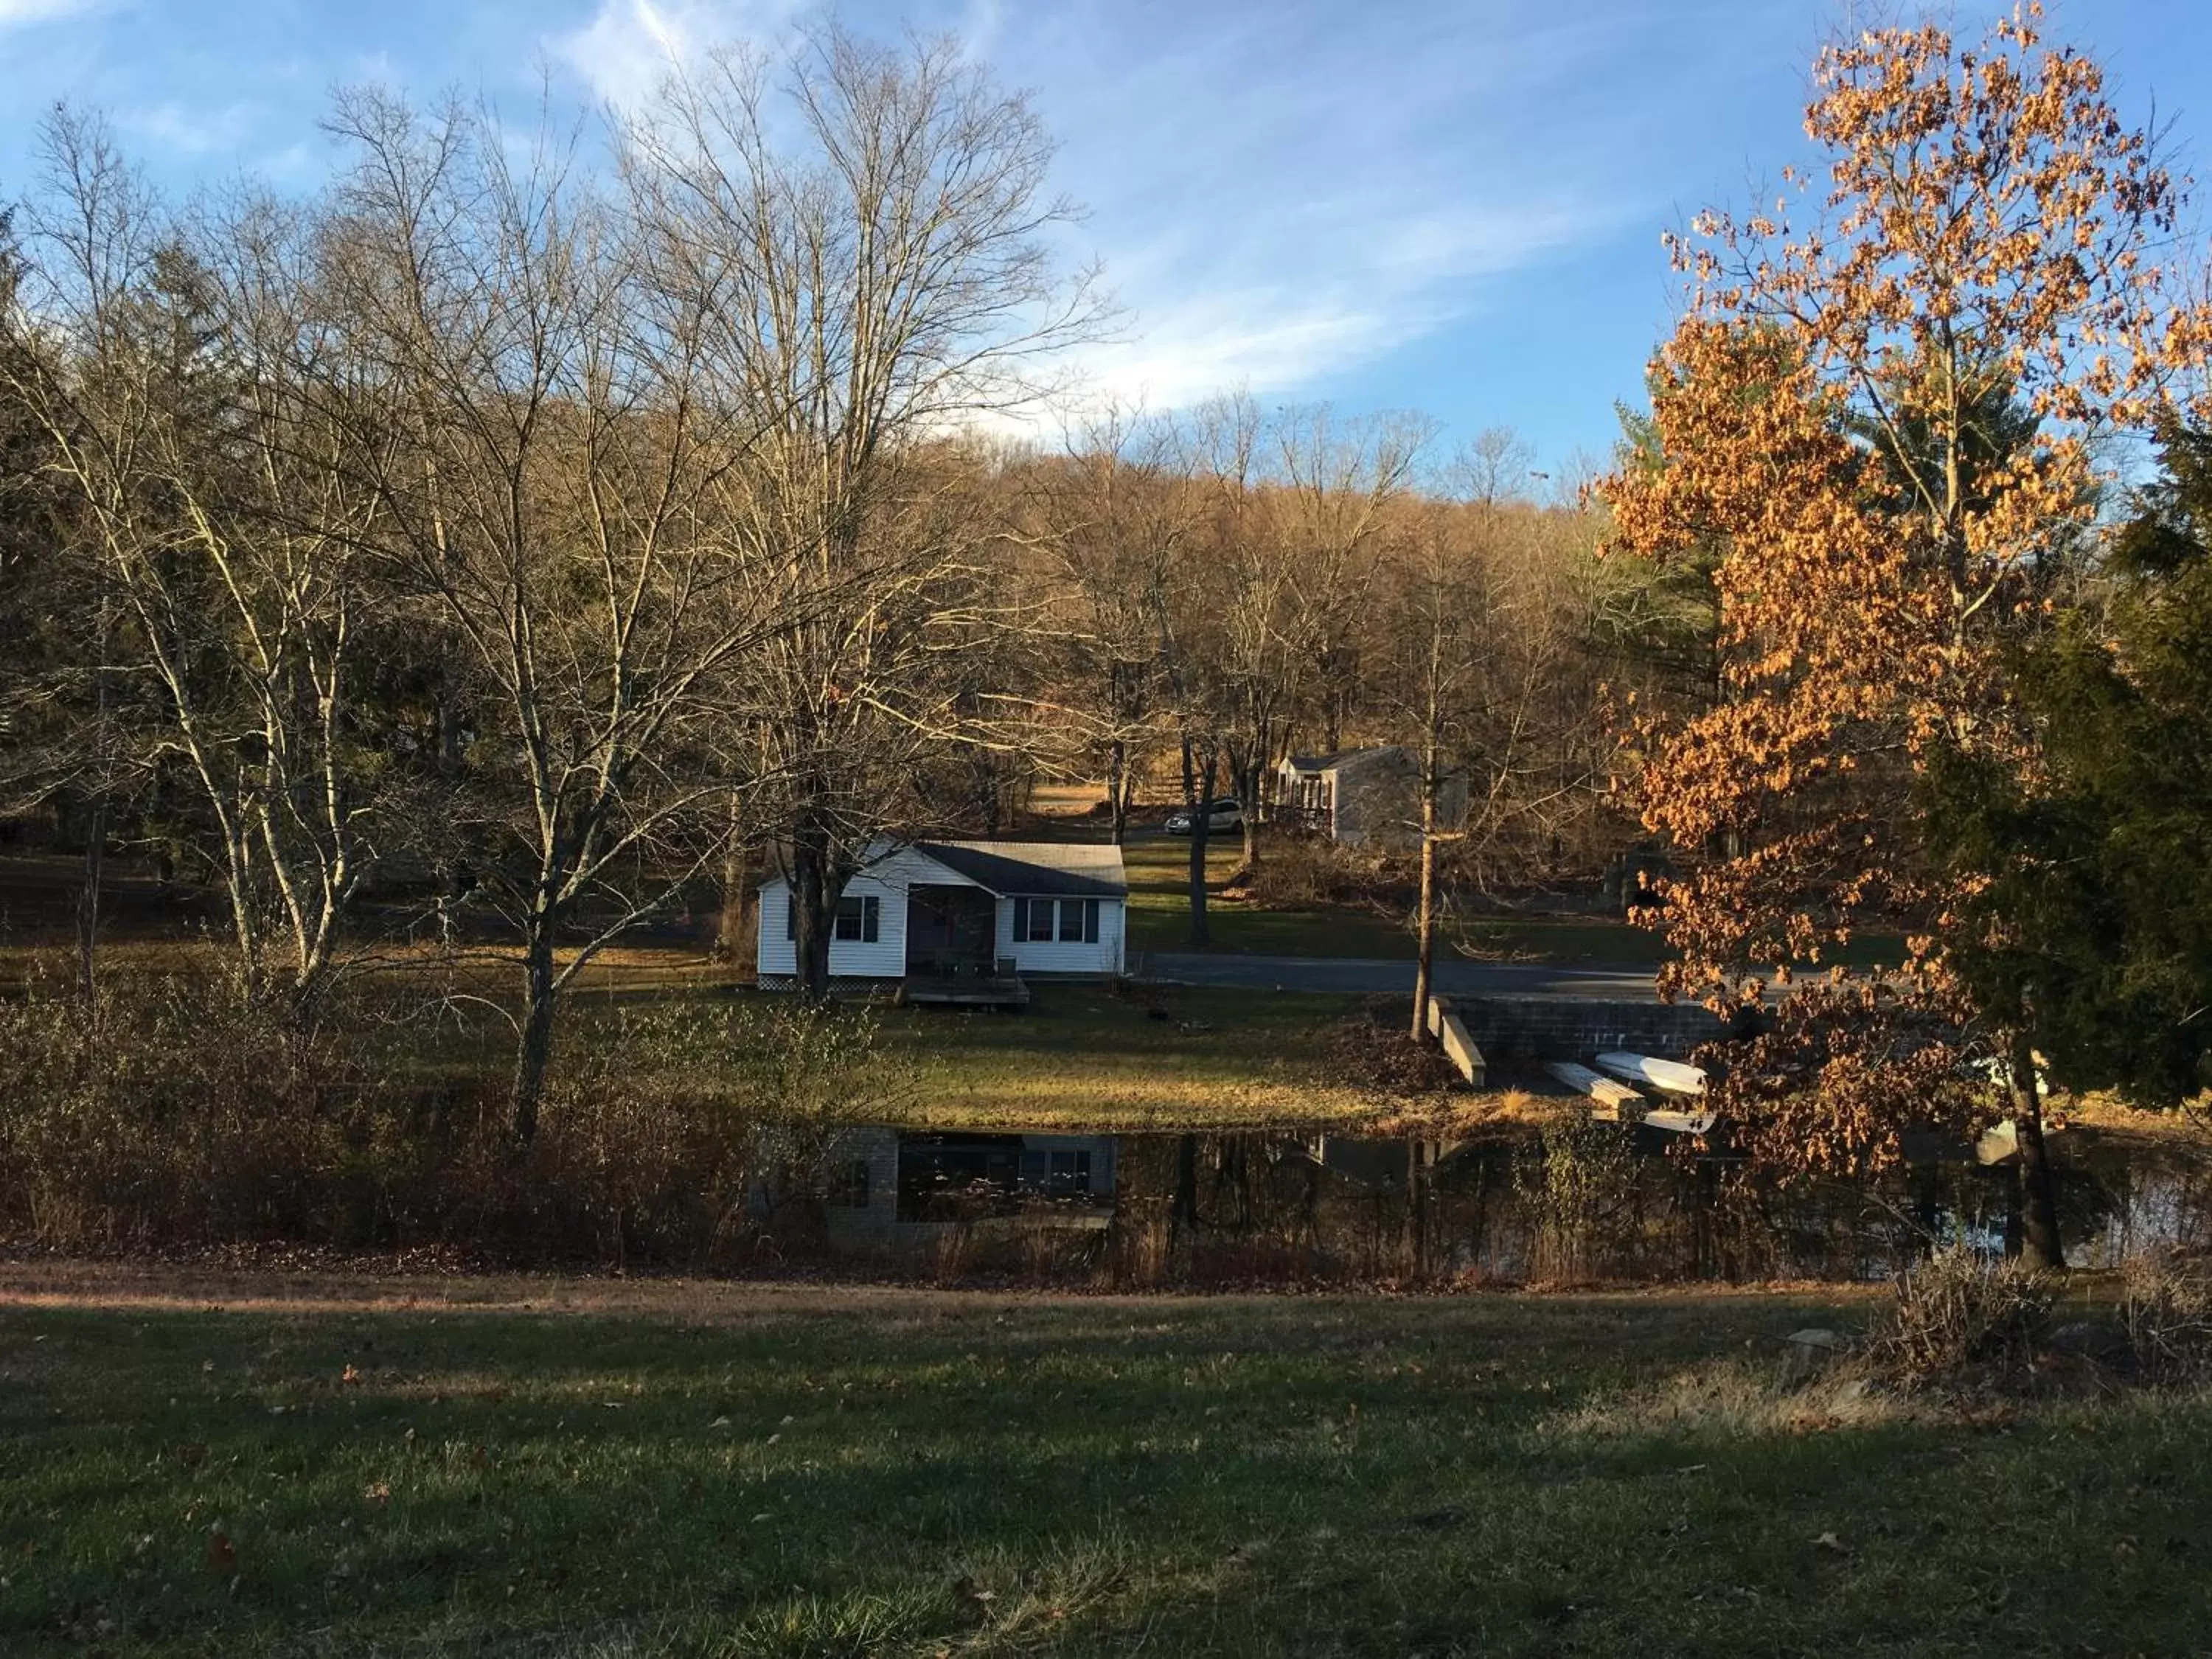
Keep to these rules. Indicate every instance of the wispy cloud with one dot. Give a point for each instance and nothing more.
(1277, 194)
(1288, 196)
(16, 13)
(630, 45)
(191, 130)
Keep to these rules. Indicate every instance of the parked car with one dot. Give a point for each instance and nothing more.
(1227, 813)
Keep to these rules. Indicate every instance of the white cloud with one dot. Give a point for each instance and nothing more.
(1280, 195)
(13, 13)
(1286, 198)
(630, 45)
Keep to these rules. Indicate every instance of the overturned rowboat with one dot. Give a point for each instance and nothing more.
(1614, 1100)
(1669, 1077)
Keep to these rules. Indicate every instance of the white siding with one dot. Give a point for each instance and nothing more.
(1051, 956)
(887, 878)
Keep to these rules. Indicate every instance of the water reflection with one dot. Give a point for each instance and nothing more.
(1587, 1202)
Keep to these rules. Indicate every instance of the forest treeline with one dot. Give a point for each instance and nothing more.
(532, 527)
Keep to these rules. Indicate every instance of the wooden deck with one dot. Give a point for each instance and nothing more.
(963, 991)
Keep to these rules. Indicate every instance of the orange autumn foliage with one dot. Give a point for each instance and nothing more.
(1882, 407)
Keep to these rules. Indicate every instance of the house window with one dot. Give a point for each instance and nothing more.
(848, 1184)
(1070, 1175)
(860, 920)
(1066, 921)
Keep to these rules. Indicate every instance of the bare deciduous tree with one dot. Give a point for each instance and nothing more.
(880, 229)
(175, 369)
(551, 454)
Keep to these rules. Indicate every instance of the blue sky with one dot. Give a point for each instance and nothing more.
(1448, 205)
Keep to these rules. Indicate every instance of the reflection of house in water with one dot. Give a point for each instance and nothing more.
(1379, 1165)
(895, 1186)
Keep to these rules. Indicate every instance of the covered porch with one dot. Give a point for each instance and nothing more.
(951, 951)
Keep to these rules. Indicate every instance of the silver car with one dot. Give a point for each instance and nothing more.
(1227, 813)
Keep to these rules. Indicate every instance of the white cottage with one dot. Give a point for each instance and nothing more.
(946, 911)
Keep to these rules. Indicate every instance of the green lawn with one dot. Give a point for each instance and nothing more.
(1082, 1055)
(1159, 920)
(530, 1468)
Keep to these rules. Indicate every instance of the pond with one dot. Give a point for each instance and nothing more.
(1587, 1201)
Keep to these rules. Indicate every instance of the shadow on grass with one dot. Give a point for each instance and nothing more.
(1024, 1475)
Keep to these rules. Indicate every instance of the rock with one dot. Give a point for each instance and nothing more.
(1807, 1353)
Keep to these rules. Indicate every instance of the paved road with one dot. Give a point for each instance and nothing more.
(1365, 975)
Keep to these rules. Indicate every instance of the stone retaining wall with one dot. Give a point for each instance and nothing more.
(1525, 1031)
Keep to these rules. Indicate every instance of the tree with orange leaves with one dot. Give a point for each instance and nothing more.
(1884, 405)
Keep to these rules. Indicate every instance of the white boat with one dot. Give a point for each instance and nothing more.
(1616, 1099)
(1681, 1123)
(1669, 1076)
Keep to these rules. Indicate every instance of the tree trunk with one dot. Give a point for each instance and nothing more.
(737, 893)
(815, 890)
(533, 1048)
(1200, 933)
(95, 834)
(1418, 1160)
(1424, 917)
(2040, 1246)
(1117, 791)
(87, 901)
(1182, 1210)
(1248, 790)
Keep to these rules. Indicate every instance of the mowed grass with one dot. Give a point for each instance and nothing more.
(1089, 1058)
(1159, 920)
(531, 1467)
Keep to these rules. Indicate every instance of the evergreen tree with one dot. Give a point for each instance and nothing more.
(2092, 923)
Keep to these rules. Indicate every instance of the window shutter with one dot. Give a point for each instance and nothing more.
(1091, 921)
(872, 913)
(1021, 919)
(790, 913)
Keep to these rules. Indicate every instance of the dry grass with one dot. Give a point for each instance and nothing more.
(1958, 1312)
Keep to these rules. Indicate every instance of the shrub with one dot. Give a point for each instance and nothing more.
(1375, 1049)
(677, 1128)
(1304, 872)
(2165, 1303)
(165, 1107)
(1580, 1183)
(1958, 1311)
(180, 1110)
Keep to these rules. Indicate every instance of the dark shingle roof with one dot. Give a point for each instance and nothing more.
(1050, 869)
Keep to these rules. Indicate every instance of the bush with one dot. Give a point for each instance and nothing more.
(175, 1110)
(1305, 872)
(1374, 1049)
(677, 1129)
(166, 1107)
(1580, 1182)
(1958, 1312)
(2166, 1304)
